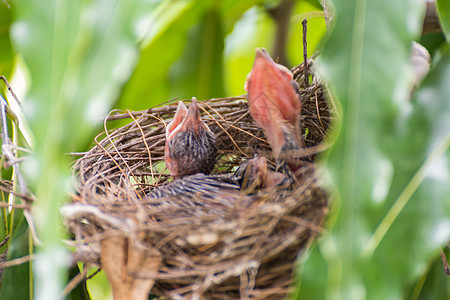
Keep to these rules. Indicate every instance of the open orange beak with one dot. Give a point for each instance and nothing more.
(185, 119)
(190, 144)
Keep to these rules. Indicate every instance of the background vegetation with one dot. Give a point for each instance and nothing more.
(70, 62)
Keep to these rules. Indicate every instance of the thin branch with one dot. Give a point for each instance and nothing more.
(16, 206)
(74, 282)
(10, 90)
(305, 54)
(6, 144)
(93, 274)
(5, 240)
(17, 261)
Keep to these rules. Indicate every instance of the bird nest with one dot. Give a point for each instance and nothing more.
(234, 246)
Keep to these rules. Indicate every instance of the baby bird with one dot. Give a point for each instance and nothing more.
(275, 105)
(190, 144)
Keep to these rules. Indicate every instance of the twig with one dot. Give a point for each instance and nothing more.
(74, 282)
(17, 261)
(5, 240)
(10, 89)
(305, 54)
(119, 153)
(93, 274)
(221, 127)
(328, 13)
(6, 145)
(16, 206)
(317, 109)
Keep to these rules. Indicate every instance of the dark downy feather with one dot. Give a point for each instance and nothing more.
(195, 152)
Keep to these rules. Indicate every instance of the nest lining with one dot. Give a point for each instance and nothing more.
(235, 246)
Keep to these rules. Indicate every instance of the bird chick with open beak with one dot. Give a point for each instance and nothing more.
(275, 105)
(190, 144)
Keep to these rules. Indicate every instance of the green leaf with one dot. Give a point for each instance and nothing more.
(99, 287)
(311, 281)
(6, 54)
(15, 279)
(443, 8)
(389, 161)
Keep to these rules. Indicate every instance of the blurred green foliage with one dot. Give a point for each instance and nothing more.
(389, 159)
(389, 163)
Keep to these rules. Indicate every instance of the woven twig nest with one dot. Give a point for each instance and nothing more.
(229, 247)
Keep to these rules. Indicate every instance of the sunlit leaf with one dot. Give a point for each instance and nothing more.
(443, 8)
(99, 287)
